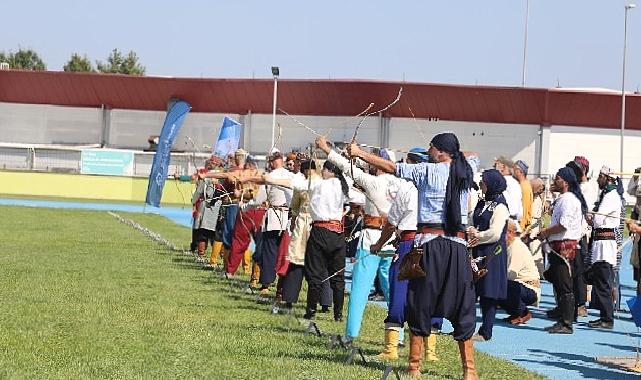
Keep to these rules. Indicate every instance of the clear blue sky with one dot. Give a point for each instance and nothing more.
(577, 42)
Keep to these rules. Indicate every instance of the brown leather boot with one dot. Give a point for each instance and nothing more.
(202, 246)
(466, 349)
(416, 356)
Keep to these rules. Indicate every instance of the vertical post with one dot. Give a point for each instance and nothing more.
(527, 15)
(275, 73)
(274, 111)
(625, 41)
(106, 126)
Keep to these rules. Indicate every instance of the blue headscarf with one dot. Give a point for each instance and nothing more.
(573, 185)
(418, 155)
(459, 180)
(496, 185)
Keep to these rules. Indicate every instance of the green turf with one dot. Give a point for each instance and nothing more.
(83, 296)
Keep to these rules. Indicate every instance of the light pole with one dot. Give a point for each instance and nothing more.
(625, 42)
(527, 16)
(275, 73)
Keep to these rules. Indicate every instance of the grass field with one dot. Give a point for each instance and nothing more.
(84, 296)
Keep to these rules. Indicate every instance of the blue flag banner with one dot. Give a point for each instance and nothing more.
(173, 121)
(634, 304)
(228, 138)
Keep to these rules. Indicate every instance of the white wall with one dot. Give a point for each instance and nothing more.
(599, 146)
(259, 130)
(46, 124)
(131, 129)
(517, 141)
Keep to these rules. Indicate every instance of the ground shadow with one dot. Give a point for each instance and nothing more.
(573, 362)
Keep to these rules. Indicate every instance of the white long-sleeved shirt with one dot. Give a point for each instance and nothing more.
(514, 197)
(380, 190)
(606, 250)
(567, 212)
(403, 213)
(497, 224)
(326, 198)
(277, 196)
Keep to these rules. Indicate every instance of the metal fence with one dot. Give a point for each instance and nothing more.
(68, 160)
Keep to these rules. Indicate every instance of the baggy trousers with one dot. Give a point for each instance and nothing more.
(230, 221)
(447, 291)
(363, 276)
(559, 275)
(293, 282)
(247, 223)
(266, 256)
(397, 288)
(325, 255)
(602, 285)
(519, 297)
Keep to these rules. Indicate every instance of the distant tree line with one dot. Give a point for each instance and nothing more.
(116, 63)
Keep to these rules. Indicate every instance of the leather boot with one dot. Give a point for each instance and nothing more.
(416, 356)
(430, 348)
(390, 351)
(466, 349)
(253, 282)
(568, 308)
(216, 249)
(247, 259)
(202, 246)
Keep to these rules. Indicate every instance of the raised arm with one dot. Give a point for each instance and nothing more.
(372, 159)
(359, 176)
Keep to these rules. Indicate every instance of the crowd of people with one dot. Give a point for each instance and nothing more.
(436, 235)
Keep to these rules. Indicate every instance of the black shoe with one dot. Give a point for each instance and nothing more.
(309, 314)
(324, 309)
(559, 328)
(600, 324)
(338, 317)
(554, 313)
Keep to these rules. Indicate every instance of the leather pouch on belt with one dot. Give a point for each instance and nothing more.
(410, 268)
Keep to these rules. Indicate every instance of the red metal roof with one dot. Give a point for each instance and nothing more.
(324, 97)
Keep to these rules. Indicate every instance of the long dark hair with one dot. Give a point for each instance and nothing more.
(339, 174)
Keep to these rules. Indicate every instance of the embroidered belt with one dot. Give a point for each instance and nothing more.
(566, 248)
(603, 234)
(375, 222)
(332, 225)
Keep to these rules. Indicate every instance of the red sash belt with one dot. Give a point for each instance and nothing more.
(332, 225)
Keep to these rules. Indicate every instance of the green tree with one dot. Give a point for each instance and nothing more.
(117, 63)
(79, 64)
(23, 59)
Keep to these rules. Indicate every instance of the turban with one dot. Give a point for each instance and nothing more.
(573, 185)
(460, 179)
(418, 155)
